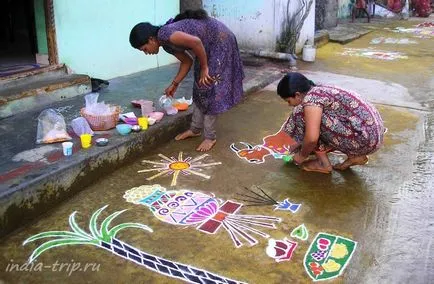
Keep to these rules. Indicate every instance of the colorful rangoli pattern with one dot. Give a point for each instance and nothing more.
(300, 233)
(280, 250)
(207, 213)
(104, 237)
(277, 145)
(327, 256)
(374, 54)
(261, 198)
(175, 166)
(391, 40)
(417, 32)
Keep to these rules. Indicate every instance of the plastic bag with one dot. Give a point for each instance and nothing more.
(166, 103)
(51, 127)
(95, 108)
(81, 126)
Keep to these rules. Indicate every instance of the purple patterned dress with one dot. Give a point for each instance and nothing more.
(224, 63)
(348, 124)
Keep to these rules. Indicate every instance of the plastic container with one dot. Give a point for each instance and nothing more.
(123, 129)
(86, 141)
(147, 107)
(67, 148)
(101, 142)
(156, 115)
(309, 53)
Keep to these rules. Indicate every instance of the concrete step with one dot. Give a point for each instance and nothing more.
(40, 88)
(321, 38)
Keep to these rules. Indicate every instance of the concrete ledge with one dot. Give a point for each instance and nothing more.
(24, 202)
(321, 38)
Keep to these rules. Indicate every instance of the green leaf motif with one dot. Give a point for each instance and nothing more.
(300, 233)
(104, 225)
(76, 228)
(112, 233)
(93, 226)
(55, 234)
(56, 243)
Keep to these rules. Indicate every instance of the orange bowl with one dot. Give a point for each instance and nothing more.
(181, 106)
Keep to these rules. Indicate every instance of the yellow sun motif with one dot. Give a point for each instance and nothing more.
(173, 166)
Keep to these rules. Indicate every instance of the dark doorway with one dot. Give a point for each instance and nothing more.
(18, 42)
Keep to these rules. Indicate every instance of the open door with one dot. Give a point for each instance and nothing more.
(27, 36)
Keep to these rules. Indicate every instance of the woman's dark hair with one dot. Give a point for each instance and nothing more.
(141, 33)
(293, 82)
(199, 14)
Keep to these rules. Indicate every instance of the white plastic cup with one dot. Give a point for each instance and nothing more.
(67, 148)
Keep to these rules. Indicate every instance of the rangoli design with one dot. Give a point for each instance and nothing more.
(300, 233)
(173, 166)
(280, 250)
(277, 145)
(104, 238)
(391, 40)
(327, 256)
(418, 31)
(207, 213)
(256, 198)
(374, 54)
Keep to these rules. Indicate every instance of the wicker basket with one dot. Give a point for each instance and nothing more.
(102, 122)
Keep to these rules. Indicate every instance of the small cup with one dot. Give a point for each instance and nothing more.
(86, 140)
(67, 148)
(147, 107)
(143, 122)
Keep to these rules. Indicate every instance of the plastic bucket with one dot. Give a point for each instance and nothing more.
(309, 53)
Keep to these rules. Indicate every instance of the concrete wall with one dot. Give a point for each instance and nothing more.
(326, 14)
(93, 36)
(258, 23)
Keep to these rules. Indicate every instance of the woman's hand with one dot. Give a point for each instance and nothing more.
(205, 78)
(170, 91)
(299, 158)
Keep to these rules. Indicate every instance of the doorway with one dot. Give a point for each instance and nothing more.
(23, 37)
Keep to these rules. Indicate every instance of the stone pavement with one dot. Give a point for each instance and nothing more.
(33, 178)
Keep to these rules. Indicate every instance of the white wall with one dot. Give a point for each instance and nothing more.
(257, 23)
(93, 36)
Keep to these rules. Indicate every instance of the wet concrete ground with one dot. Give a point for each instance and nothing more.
(385, 206)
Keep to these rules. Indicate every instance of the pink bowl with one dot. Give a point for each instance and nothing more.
(156, 115)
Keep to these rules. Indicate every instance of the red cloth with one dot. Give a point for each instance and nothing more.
(422, 7)
(394, 5)
(360, 4)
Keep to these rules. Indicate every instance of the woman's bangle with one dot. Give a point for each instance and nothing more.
(175, 83)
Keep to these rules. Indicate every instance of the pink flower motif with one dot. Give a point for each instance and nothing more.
(280, 250)
(203, 212)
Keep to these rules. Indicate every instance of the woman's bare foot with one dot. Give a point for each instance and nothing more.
(316, 166)
(353, 161)
(206, 145)
(186, 134)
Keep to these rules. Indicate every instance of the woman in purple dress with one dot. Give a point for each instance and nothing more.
(218, 70)
(328, 118)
